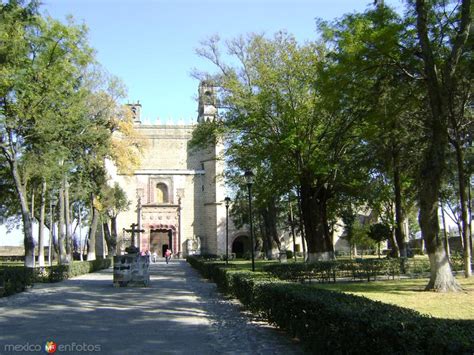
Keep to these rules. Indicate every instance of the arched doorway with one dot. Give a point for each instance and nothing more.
(240, 246)
(160, 240)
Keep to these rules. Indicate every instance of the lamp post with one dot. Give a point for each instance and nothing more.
(249, 177)
(227, 203)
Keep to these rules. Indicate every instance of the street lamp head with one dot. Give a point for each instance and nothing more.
(249, 177)
(54, 200)
(227, 201)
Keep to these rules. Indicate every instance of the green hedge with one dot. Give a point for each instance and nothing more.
(333, 322)
(327, 271)
(15, 279)
(415, 266)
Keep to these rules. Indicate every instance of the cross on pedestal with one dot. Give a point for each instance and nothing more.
(134, 229)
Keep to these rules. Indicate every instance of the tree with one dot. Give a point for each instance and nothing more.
(419, 55)
(369, 49)
(58, 116)
(114, 201)
(441, 52)
(379, 232)
(277, 113)
(41, 60)
(360, 235)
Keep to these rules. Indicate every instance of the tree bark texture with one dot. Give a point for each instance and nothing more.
(67, 221)
(109, 236)
(434, 157)
(399, 215)
(28, 240)
(269, 215)
(301, 225)
(41, 225)
(395, 253)
(463, 199)
(92, 233)
(266, 244)
(314, 208)
(446, 237)
(61, 229)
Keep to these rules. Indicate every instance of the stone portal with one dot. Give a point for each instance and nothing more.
(160, 240)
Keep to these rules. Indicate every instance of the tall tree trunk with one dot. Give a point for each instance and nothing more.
(51, 233)
(395, 253)
(269, 215)
(314, 204)
(92, 232)
(463, 202)
(67, 220)
(110, 237)
(79, 223)
(470, 218)
(301, 225)
(266, 243)
(32, 205)
(28, 240)
(100, 240)
(61, 229)
(399, 215)
(446, 237)
(41, 225)
(441, 277)
(113, 227)
(433, 168)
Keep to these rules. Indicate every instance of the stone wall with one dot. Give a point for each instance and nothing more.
(195, 188)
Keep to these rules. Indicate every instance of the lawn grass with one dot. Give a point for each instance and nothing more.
(11, 263)
(407, 293)
(247, 264)
(410, 293)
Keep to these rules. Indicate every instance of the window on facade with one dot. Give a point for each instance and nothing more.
(161, 193)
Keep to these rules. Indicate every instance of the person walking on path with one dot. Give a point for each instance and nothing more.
(167, 255)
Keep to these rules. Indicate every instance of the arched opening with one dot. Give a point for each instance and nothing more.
(161, 193)
(241, 246)
(160, 240)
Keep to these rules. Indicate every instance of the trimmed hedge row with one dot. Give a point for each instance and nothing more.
(327, 271)
(419, 266)
(14, 279)
(358, 269)
(333, 322)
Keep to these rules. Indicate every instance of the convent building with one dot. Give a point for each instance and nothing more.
(177, 194)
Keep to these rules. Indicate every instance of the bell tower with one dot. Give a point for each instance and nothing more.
(135, 110)
(213, 190)
(207, 108)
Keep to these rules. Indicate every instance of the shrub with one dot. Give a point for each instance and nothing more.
(15, 279)
(332, 322)
(327, 271)
(417, 251)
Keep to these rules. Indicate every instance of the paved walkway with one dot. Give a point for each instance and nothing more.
(179, 313)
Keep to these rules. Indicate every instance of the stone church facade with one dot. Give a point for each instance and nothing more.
(177, 194)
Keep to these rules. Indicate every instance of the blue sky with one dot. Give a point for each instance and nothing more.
(150, 44)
